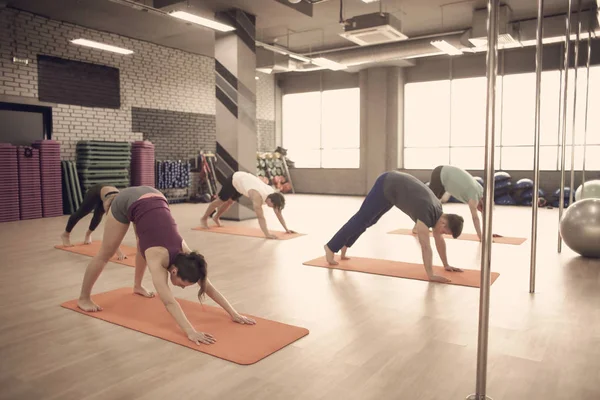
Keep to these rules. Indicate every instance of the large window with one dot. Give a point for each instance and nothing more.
(322, 129)
(445, 122)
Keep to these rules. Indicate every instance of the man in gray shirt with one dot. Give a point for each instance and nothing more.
(415, 199)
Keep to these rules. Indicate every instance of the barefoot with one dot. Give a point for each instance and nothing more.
(344, 249)
(66, 239)
(142, 292)
(217, 220)
(88, 239)
(204, 223)
(88, 306)
(329, 256)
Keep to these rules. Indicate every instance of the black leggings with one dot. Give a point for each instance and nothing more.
(92, 201)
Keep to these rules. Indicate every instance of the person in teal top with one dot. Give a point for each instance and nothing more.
(462, 186)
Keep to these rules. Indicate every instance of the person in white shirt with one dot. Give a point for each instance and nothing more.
(245, 184)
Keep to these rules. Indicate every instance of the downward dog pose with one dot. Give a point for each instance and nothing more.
(245, 184)
(161, 248)
(98, 199)
(413, 198)
(461, 185)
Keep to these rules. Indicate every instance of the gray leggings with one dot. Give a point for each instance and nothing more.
(125, 198)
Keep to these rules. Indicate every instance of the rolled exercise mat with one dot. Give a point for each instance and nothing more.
(241, 344)
(92, 249)
(467, 236)
(30, 189)
(247, 231)
(399, 269)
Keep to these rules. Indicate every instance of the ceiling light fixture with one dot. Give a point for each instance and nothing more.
(209, 23)
(101, 46)
(369, 1)
(446, 47)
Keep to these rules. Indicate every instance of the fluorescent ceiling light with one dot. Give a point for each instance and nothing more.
(446, 47)
(101, 46)
(327, 63)
(369, 1)
(209, 23)
(283, 51)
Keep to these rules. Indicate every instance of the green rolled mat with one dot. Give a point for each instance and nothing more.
(84, 164)
(100, 173)
(68, 200)
(78, 195)
(104, 152)
(110, 156)
(98, 143)
(118, 183)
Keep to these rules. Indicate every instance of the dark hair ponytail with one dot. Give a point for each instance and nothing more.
(192, 267)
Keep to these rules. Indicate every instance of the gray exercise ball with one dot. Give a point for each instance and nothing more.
(580, 227)
(592, 190)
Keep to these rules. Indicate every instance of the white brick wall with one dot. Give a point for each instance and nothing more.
(153, 77)
(265, 111)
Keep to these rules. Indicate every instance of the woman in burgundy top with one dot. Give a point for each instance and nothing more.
(162, 249)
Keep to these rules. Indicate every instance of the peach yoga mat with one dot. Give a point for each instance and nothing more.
(241, 344)
(400, 269)
(92, 249)
(247, 231)
(468, 236)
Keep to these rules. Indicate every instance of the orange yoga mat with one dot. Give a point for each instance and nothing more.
(468, 236)
(247, 231)
(400, 269)
(93, 248)
(241, 344)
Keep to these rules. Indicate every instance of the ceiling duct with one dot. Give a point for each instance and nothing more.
(392, 51)
(507, 34)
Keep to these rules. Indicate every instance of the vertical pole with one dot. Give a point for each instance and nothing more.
(536, 152)
(486, 253)
(561, 200)
(587, 98)
(573, 133)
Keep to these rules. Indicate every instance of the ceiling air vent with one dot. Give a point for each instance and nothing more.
(507, 34)
(372, 29)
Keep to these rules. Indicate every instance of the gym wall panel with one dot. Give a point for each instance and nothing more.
(302, 82)
(153, 77)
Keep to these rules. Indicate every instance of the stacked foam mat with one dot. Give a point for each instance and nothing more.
(30, 190)
(52, 204)
(9, 195)
(71, 188)
(103, 163)
(142, 164)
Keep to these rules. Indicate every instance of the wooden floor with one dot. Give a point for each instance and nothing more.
(371, 337)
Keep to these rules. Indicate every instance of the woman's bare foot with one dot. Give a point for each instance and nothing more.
(66, 239)
(142, 291)
(88, 305)
(204, 223)
(217, 220)
(344, 249)
(329, 256)
(88, 238)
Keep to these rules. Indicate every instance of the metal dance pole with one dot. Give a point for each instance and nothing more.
(539, 49)
(587, 98)
(573, 131)
(561, 200)
(486, 252)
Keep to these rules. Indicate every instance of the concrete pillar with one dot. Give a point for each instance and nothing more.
(381, 120)
(235, 70)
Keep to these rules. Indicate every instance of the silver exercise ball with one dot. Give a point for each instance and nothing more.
(592, 190)
(580, 227)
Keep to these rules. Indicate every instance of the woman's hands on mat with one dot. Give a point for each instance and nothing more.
(452, 269)
(240, 319)
(201, 337)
